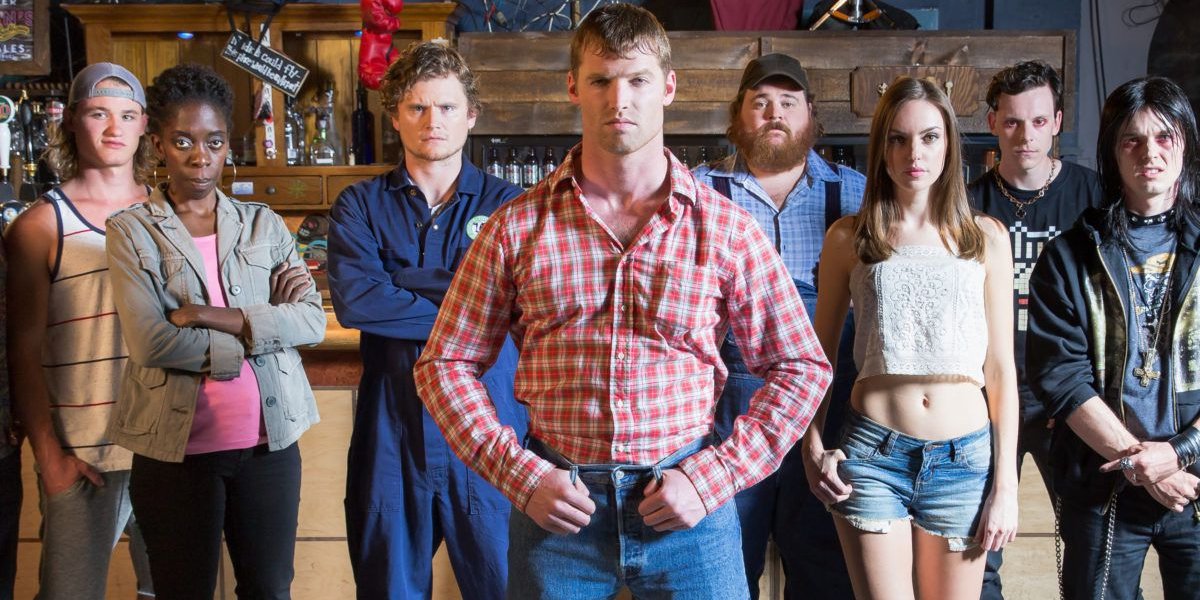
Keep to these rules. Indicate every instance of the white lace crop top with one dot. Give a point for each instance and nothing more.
(920, 312)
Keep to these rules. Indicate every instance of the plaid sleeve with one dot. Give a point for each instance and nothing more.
(466, 339)
(778, 343)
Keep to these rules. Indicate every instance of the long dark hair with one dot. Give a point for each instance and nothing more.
(1166, 100)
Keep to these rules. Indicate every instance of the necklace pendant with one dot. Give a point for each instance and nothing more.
(1020, 212)
(1145, 372)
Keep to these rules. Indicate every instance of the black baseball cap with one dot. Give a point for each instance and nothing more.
(773, 65)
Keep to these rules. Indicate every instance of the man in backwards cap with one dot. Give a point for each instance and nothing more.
(65, 352)
(794, 195)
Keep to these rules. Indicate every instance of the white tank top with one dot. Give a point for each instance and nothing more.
(84, 354)
(920, 312)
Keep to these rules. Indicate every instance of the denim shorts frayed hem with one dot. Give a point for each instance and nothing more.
(938, 485)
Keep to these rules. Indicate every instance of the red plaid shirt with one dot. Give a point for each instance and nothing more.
(619, 346)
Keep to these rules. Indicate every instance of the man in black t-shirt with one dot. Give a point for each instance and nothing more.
(1037, 197)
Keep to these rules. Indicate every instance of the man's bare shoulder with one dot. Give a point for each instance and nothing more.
(32, 239)
(37, 221)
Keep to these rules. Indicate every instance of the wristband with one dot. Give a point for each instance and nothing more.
(1186, 446)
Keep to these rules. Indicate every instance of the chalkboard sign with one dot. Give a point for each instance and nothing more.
(24, 37)
(269, 65)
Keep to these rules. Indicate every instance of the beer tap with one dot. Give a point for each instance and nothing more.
(29, 186)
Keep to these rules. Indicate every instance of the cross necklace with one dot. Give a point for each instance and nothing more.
(1149, 348)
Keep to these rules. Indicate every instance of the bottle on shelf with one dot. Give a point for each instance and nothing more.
(844, 155)
(512, 168)
(494, 167)
(702, 158)
(531, 169)
(683, 157)
(324, 123)
(549, 163)
(362, 124)
(322, 152)
(294, 133)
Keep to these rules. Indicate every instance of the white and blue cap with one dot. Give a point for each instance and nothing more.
(86, 84)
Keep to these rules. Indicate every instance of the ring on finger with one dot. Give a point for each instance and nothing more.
(1126, 463)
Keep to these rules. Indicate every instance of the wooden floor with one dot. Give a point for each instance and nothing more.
(323, 567)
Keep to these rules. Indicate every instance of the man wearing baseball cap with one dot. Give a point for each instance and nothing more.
(65, 352)
(794, 195)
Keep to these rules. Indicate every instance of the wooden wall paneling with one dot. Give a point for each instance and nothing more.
(202, 49)
(829, 50)
(162, 53)
(706, 50)
(528, 118)
(131, 54)
(523, 86)
(695, 85)
(98, 42)
(1070, 91)
(696, 118)
(526, 51)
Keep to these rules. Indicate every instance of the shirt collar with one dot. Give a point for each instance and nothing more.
(470, 178)
(815, 168)
(683, 183)
(159, 206)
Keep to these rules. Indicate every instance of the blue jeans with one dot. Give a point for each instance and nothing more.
(10, 517)
(1141, 522)
(617, 549)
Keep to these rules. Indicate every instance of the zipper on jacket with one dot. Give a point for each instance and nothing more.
(1125, 353)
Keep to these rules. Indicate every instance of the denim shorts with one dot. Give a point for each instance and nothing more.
(939, 485)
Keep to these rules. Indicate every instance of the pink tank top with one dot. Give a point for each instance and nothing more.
(228, 413)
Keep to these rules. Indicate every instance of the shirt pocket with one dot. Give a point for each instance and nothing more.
(169, 272)
(143, 402)
(259, 261)
(293, 384)
(680, 302)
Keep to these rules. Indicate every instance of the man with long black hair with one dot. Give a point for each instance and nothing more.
(1113, 354)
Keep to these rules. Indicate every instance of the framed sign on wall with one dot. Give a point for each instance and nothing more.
(24, 37)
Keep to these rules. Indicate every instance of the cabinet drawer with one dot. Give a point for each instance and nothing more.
(302, 191)
(337, 183)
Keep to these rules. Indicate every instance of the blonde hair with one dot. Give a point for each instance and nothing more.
(949, 209)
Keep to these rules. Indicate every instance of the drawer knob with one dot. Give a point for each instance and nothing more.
(270, 190)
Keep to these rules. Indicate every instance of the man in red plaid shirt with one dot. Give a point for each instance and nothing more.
(618, 276)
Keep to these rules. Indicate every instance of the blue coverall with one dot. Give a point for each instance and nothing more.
(390, 265)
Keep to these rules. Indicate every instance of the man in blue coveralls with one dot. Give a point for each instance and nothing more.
(794, 195)
(394, 244)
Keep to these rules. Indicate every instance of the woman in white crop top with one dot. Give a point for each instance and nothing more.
(932, 289)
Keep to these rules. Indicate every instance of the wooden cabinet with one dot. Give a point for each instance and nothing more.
(145, 38)
(523, 75)
(295, 188)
